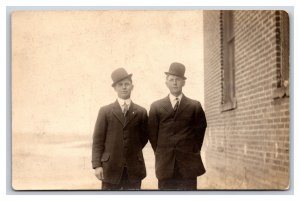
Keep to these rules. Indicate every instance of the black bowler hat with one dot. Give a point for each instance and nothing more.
(119, 75)
(177, 69)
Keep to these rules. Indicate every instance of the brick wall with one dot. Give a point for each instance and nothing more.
(248, 147)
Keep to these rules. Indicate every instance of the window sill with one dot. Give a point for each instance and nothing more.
(231, 105)
(281, 92)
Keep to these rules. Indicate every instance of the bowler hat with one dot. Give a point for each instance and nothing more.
(119, 75)
(177, 69)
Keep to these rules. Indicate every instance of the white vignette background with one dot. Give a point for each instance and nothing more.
(230, 195)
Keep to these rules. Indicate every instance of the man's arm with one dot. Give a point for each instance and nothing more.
(153, 126)
(200, 125)
(99, 139)
(144, 129)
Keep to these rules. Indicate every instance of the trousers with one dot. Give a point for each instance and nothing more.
(177, 182)
(125, 183)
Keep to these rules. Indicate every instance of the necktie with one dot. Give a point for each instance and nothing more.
(125, 109)
(176, 105)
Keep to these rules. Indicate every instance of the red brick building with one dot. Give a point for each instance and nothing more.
(246, 81)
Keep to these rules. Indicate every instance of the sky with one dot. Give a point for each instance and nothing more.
(62, 63)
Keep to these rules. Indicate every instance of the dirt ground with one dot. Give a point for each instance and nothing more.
(63, 162)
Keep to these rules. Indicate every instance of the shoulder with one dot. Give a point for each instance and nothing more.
(192, 101)
(140, 108)
(106, 108)
(158, 102)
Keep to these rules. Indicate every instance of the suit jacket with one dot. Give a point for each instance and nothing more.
(177, 137)
(118, 142)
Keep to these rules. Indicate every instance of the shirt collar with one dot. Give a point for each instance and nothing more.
(172, 97)
(121, 101)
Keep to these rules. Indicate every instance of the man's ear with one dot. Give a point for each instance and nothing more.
(183, 83)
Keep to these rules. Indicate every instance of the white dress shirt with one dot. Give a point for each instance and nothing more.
(173, 99)
(122, 101)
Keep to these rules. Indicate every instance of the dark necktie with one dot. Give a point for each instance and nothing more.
(176, 106)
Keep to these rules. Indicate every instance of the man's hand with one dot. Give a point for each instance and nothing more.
(99, 173)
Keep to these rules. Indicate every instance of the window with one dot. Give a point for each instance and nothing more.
(228, 101)
(282, 54)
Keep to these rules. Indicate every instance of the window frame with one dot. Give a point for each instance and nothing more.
(228, 101)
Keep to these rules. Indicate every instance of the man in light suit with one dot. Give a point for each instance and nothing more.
(176, 131)
(119, 136)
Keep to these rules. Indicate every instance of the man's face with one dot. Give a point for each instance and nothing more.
(124, 88)
(175, 84)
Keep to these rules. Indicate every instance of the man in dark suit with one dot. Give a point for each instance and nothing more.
(176, 131)
(119, 137)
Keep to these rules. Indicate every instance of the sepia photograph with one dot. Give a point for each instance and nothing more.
(160, 100)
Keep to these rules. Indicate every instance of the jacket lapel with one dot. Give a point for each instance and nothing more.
(166, 104)
(117, 111)
(131, 113)
(182, 105)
